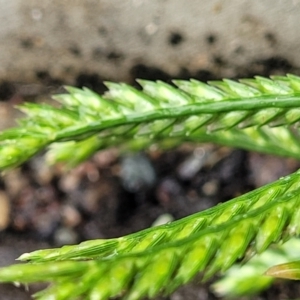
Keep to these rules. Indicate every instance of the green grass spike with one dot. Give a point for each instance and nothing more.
(224, 112)
(160, 259)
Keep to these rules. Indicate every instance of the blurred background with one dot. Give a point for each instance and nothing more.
(47, 44)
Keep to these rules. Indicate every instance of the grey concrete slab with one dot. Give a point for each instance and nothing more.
(62, 39)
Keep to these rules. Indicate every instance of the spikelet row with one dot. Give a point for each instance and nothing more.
(132, 118)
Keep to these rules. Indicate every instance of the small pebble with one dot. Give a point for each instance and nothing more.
(15, 182)
(210, 188)
(45, 220)
(168, 192)
(137, 173)
(4, 211)
(70, 216)
(188, 169)
(69, 181)
(65, 236)
(267, 168)
(163, 219)
(105, 158)
(41, 171)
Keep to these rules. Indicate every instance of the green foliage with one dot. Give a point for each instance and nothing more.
(258, 114)
(249, 279)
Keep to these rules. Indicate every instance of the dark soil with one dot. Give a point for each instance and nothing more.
(109, 195)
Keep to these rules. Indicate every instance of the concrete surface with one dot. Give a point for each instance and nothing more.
(119, 39)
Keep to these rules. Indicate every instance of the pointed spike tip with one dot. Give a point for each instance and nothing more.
(289, 270)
